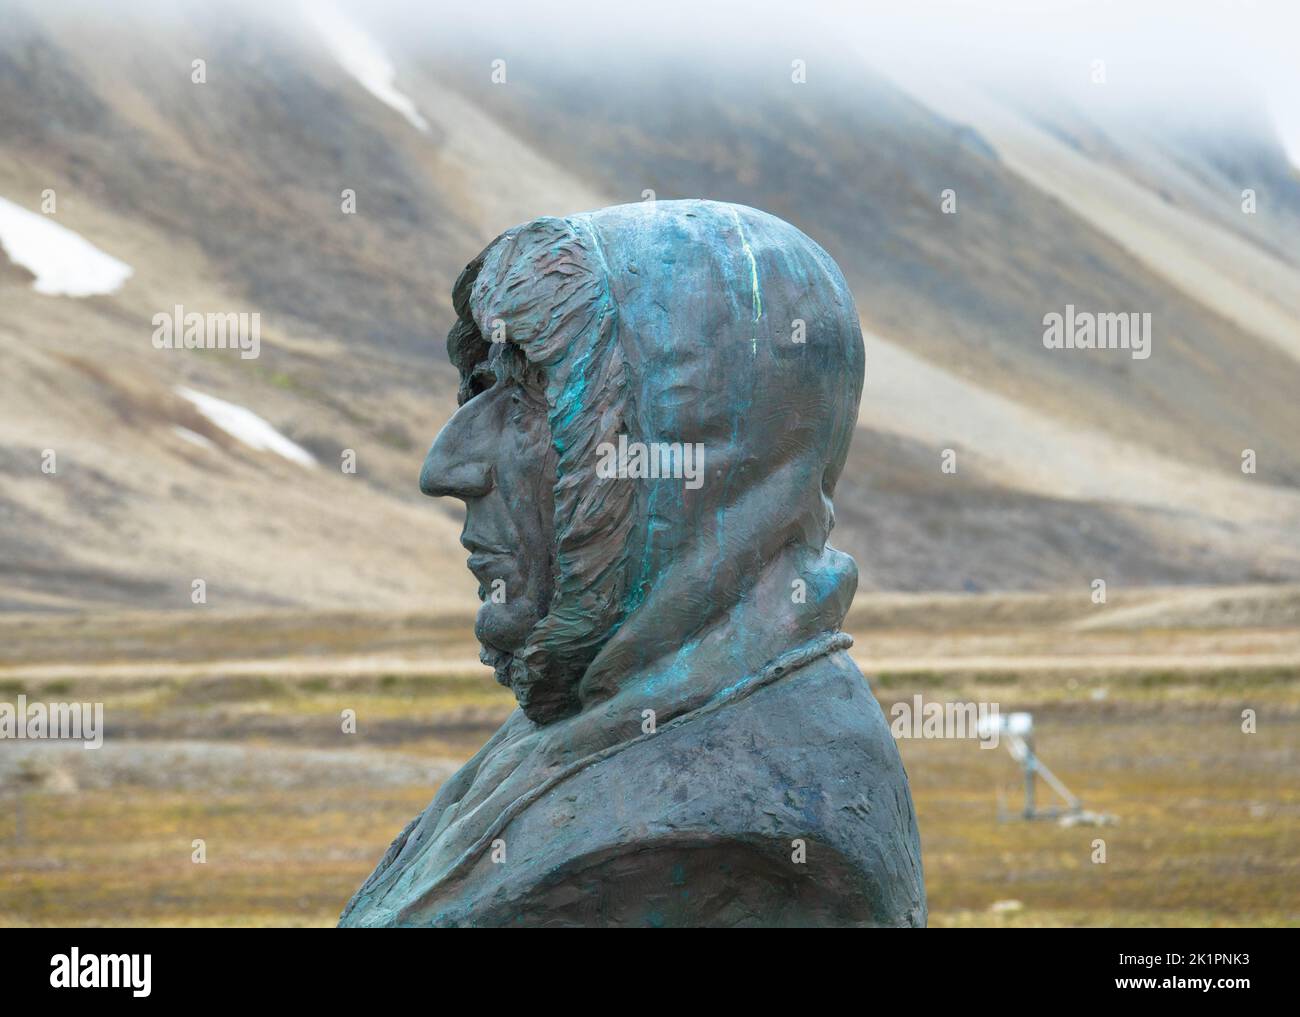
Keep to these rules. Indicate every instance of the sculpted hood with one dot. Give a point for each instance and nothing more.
(665, 322)
(673, 323)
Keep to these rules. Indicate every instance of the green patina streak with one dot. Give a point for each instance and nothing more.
(753, 277)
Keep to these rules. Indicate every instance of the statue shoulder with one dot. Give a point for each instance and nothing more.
(790, 803)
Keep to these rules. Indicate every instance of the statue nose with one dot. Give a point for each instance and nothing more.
(442, 479)
(459, 464)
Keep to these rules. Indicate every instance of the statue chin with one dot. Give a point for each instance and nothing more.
(505, 627)
(493, 631)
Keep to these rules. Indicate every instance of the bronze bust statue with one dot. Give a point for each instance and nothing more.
(656, 402)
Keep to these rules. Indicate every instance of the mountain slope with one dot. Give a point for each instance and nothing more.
(227, 196)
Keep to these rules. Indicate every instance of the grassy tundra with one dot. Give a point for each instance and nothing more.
(227, 729)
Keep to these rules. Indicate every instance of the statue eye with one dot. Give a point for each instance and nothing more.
(482, 379)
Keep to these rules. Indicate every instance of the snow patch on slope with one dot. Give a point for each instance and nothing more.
(65, 263)
(246, 426)
(362, 58)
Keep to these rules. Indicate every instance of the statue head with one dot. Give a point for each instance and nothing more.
(656, 401)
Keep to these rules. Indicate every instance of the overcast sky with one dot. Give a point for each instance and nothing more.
(1164, 54)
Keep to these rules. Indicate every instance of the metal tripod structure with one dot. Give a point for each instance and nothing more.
(1017, 729)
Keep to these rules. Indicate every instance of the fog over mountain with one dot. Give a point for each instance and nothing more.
(227, 196)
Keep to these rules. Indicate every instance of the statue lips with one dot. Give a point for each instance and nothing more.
(482, 556)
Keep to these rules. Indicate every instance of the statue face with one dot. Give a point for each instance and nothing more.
(495, 455)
